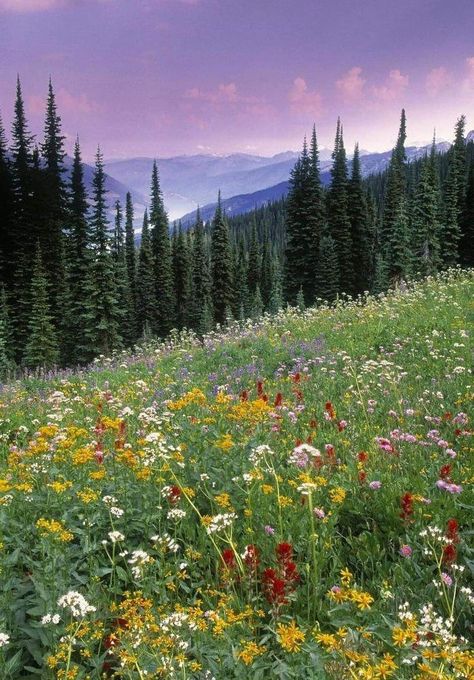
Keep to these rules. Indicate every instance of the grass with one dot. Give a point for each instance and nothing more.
(288, 499)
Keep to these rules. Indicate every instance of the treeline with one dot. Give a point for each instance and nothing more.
(73, 286)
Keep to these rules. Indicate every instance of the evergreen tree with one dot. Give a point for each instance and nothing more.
(381, 279)
(361, 228)
(42, 346)
(6, 336)
(161, 249)
(242, 297)
(467, 232)
(394, 215)
(300, 303)
(257, 304)
(276, 295)
(425, 226)
(146, 292)
(124, 293)
(266, 273)
(105, 311)
(181, 280)
(55, 208)
(7, 249)
(455, 190)
(201, 304)
(131, 263)
(338, 214)
(303, 226)
(328, 270)
(254, 262)
(79, 266)
(222, 267)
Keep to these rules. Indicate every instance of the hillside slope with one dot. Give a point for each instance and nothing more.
(276, 501)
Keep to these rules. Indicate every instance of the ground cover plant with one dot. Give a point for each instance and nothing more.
(289, 498)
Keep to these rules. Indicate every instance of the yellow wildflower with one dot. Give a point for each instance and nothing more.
(291, 638)
(250, 651)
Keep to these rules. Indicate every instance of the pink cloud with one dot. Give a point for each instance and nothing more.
(304, 101)
(66, 102)
(28, 5)
(436, 80)
(393, 88)
(225, 92)
(468, 83)
(351, 85)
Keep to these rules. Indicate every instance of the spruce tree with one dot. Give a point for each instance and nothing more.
(54, 213)
(146, 292)
(79, 266)
(266, 273)
(201, 304)
(124, 294)
(338, 214)
(303, 226)
(257, 304)
(454, 200)
(7, 362)
(41, 349)
(254, 261)
(7, 244)
(425, 226)
(275, 302)
(395, 210)
(106, 314)
(328, 270)
(161, 249)
(243, 299)
(361, 228)
(181, 280)
(131, 262)
(466, 246)
(222, 267)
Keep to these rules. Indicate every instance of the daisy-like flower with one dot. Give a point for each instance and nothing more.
(4, 639)
(76, 603)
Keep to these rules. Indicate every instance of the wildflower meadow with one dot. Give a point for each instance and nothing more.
(284, 498)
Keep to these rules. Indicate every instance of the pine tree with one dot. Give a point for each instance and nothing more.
(266, 273)
(7, 250)
(181, 280)
(395, 209)
(146, 292)
(328, 270)
(105, 311)
(54, 212)
(276, 295)
(201, 307)
(7, 362)
(131, 263)
(425, 226)
(124, 294)
(303, 226)
(25, 233)
(454, 200)
(254, 262)
(79, 267)
(242, 297)
(257, 304)
(42, 347)
(338, 214)
(466, 246)
(222, 267)
(361, 228)
(161, 249)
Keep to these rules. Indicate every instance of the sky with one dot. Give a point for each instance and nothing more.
(169, 77)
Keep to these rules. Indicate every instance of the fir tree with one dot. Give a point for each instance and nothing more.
(124, 294)
(338, 214)
(254, 262)
(7, 249)
(105, 311)
(361, 228)
(131, 263)
(467, 232)
(276, 295)
(395, 209)
(300, 303)
(455, 190)
(161, 249)
(42, 347)
(328, 270)
(146, 292)
(242, 297)
(201, 304)
(266, 273)
(425, 226)
(7, 362)
(222, 267)
(181, 280)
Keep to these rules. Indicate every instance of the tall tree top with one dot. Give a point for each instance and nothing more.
(22, 139)
(52, 148)
(78, 190)
(356, 172)
(314, 155)
(402, 136)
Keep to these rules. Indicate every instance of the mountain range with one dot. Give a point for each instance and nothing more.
(246, 181)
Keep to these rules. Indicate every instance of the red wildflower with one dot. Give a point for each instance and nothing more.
(407, 506)
(264, 397)
(291, 574)
(447, 416)
(449, 554)
(228, 557)
(362, 476)
(452, 528)
(244, 396)
(329, 408)
(278, 399)
(99, 454)
(284, 552)
(259, 388)
(298, 442)
(362, 456)
(296, 377)
(313, 423)
(298, 394)
(174, 494)
(445, 471)
(251, 557)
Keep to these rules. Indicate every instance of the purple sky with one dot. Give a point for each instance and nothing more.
(165, 77)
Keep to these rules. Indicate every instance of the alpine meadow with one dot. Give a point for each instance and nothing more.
(236, 390)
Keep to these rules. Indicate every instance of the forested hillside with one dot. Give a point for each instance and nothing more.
(74, 286)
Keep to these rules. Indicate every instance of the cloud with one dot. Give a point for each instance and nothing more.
(304, 101)
(66, 102)
(468, 83)
(436, 80)
(393, 88)
(225, 92)
(24, 6)
(352, 84)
